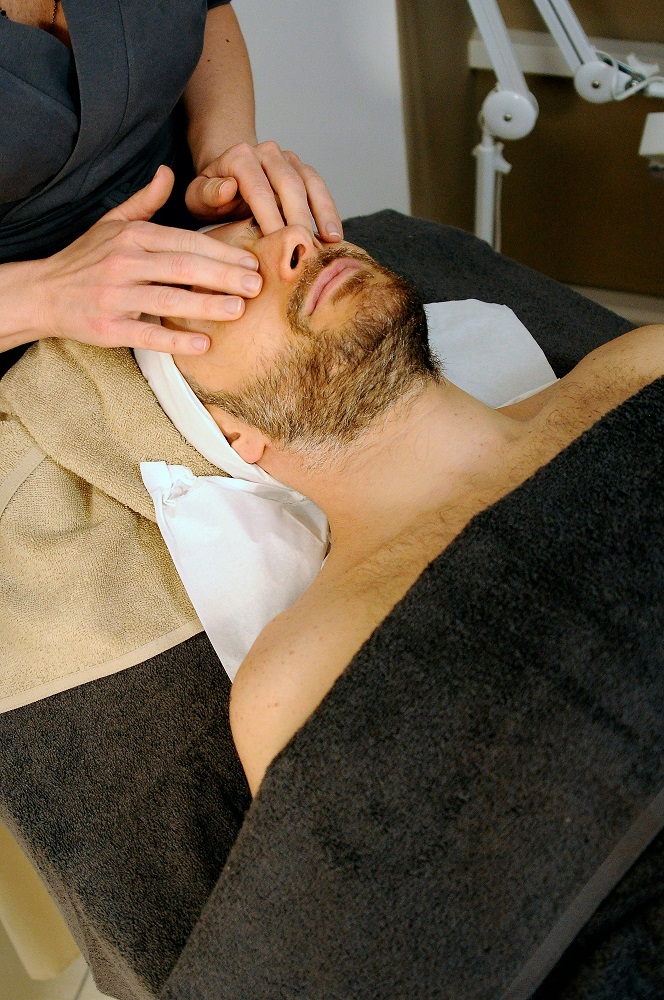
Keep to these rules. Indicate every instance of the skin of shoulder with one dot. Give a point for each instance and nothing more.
(618, 368)
(298, 657)
(292, 665)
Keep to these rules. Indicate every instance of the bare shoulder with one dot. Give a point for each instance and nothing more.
(607, 376)
(644, 345)
(290, 668)
(633, 360)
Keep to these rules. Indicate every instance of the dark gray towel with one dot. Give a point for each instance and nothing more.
(477, 762)
(127, 794)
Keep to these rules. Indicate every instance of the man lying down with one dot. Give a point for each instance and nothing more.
(328, 384)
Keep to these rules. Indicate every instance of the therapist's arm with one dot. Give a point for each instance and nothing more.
(219, 98)
(237, 176)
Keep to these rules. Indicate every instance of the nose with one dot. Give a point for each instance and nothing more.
(290, 248)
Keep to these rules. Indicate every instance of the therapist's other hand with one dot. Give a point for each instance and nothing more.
(124, 267)
(267, 182)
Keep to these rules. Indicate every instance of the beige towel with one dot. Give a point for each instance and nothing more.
(87, 587)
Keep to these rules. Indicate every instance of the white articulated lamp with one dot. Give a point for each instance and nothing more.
(510, 110)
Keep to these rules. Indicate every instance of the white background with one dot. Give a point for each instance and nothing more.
(326, 74)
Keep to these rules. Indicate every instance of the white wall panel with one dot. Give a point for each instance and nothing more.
(328, 86)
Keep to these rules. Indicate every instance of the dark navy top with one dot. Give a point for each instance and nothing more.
(81, 131)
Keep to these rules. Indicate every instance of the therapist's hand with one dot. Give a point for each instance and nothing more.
(96, 290)
(267, 182)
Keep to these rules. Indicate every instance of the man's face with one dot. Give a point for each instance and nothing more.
(329, 343)
(306, 290)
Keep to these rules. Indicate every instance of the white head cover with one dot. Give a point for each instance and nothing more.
(246, 548)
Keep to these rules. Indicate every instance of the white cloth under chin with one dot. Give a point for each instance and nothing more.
(247, 547)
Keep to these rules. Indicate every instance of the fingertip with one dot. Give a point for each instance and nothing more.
(268, 228)
(227, 189)
(249, 262)
(217, 192)
(185, 344)
(200, 344)
(333, 232)
(162, 171)
(233, 306)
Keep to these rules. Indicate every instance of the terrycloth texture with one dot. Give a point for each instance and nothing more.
(478, 760)
(127, 793)
(86, 584)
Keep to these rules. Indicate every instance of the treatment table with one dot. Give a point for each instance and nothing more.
(474, 811)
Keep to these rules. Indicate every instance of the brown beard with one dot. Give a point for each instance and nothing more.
(326, 388)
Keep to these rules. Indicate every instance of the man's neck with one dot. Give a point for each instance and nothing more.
(419, 457)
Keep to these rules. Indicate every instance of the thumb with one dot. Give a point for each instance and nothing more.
(144, 203)
(208, 197)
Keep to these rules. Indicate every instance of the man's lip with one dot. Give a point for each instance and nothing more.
(333, 275)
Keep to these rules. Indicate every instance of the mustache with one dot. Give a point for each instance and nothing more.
(311, 271)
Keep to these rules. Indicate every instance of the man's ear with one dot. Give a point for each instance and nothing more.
(248, 442)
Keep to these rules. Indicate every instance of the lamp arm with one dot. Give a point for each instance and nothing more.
(510, 110)
(496, 37)
(567, 32)
(596, 79)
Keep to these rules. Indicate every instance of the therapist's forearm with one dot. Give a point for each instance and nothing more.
(219, 98)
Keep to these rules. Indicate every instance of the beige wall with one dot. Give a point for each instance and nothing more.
(579, 204)
(29, 915)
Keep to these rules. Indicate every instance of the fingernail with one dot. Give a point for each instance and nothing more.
(200, 343)
(332, 229)
(224, 184)
(251, 283)
(214, 187)
(233, 306)
(249, 262)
